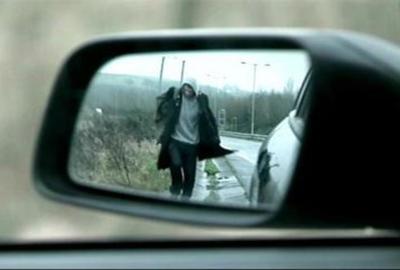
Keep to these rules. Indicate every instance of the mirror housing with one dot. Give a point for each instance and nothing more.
(343, 177)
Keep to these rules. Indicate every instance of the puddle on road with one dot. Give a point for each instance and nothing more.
(219, 189)
(212, 183)
(222, 183)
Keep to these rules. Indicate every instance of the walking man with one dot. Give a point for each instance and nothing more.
(190, 133)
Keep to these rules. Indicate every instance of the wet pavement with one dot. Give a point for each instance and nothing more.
(247, 149)
(242, 169)
(222, 188)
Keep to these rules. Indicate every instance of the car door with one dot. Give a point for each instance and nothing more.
(277, 155)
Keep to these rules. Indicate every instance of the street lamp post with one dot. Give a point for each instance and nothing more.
(182, 71)
(253, 98)
(160, 80)
(161, 74)
(234, 124)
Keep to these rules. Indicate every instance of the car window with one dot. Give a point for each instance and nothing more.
(302, 104)
(36, 37)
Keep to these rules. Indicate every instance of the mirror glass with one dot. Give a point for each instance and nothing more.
(195, 126)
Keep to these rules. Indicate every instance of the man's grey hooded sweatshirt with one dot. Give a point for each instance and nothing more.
(187, 128)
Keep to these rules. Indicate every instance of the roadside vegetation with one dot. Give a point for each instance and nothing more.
(210, 168)
(115, 151)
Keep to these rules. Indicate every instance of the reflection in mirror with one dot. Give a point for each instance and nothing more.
(192, 125)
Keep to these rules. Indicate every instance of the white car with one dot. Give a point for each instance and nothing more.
(278, 153)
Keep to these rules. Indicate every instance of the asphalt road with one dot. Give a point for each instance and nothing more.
(243, 160)
(246, 149)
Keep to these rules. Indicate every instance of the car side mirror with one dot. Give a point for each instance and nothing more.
(294, 132)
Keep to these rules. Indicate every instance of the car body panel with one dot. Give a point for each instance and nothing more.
(275, 165)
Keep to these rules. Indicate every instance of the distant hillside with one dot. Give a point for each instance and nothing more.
(124, 92)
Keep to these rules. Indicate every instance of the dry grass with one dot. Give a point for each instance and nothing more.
(135, 168)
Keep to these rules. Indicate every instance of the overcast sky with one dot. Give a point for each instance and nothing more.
(217, 68)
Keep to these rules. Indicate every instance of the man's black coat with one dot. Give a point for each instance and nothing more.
(168, 109)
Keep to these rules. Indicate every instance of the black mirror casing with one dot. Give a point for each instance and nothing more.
(343, 177)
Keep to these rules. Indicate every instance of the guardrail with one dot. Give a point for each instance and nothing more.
(239, 135)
